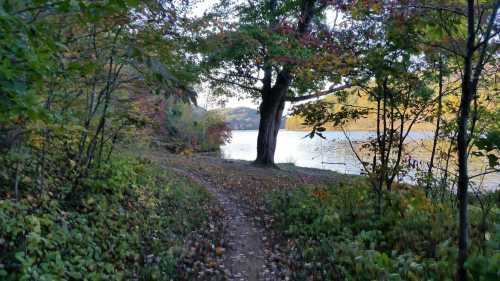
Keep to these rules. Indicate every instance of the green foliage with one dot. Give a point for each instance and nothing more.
(338, 236)
(485, 268)
(192, 128)
(268, 38)
(489, 146)
(25, 57)
(71, 72)
(130, 222)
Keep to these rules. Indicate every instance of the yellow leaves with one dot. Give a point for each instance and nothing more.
(212, 264)
(187, 151)
(344, 71)
(37, 141)
(377, 7)
(351, 60)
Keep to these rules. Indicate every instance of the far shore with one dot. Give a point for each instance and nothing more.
(347, 130)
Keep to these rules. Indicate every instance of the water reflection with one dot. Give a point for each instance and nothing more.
(332, 153)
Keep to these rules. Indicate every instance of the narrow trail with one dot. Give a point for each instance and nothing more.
(245, 256)
(251, 249)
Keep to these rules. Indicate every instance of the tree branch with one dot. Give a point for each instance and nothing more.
(482, 53)
(319, 94)
(234, 83)
(487, 172)
(438, 8)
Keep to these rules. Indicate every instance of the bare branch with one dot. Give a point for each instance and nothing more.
(320, 93)
(234, 83)
(485, 173)
(482, 54)
(439, 8)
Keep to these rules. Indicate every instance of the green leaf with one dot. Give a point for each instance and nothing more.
(492, 160)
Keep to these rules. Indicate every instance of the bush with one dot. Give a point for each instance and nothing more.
(194, 129)
(128, 222)
(336, 235)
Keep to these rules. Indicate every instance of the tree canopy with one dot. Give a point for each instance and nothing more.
(83, 82)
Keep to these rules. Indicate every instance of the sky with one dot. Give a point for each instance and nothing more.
(205, 101)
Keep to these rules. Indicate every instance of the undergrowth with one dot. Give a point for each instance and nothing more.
(128, 221)
(334, 233)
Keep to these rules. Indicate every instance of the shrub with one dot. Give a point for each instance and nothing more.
(128, 222)
(193, 129)
(336, 235)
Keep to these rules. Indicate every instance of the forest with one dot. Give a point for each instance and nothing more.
(110, 169)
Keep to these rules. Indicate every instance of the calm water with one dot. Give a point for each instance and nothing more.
(332, 153)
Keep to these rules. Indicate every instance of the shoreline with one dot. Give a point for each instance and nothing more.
(339, 131)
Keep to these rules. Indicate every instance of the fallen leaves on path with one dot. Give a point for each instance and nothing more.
(246, 185)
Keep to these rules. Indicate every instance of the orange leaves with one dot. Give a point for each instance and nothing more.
(321, 194)
(219, 251)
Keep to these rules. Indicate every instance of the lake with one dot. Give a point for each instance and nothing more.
(332, 153)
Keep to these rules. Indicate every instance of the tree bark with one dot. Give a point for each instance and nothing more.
(436, 131)
(274, 96)
(271, 110)
(470, 80)
(462, 141)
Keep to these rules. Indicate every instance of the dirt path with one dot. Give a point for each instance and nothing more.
(244, 257)
(252, 250)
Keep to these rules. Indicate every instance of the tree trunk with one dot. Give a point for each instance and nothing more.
(271, 110)
(470, 80)
(273, 97)
(436, 131)
(463, 183)
(462, 142)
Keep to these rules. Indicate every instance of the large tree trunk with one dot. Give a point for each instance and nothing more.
(271, 110)
(273, 97)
